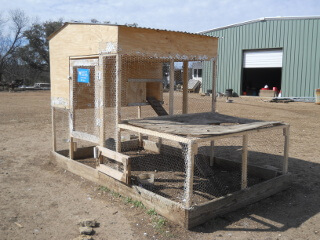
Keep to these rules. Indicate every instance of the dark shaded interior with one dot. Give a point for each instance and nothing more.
(253, 79)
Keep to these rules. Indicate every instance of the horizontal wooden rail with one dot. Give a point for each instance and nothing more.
(118, 157)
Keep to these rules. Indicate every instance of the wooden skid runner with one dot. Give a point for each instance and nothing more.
(187, 217)
(118, 157)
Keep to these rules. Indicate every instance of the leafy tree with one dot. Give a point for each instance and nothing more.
(11, 34)
(93, 20)
(36, 51)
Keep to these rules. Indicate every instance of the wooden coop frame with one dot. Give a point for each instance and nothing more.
(89, 45)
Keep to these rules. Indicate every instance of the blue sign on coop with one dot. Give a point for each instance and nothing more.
(83, 75)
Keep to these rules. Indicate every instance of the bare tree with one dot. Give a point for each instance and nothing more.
(11, 34)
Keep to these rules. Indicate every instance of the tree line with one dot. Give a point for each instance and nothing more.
(24, 48)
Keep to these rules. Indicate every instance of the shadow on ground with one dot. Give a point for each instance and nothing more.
(280, 212)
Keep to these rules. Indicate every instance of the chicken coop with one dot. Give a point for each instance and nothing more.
(115, 123)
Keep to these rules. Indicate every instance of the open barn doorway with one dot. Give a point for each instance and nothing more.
(261, 68)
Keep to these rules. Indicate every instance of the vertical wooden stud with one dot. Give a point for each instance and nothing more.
(127, 170)
(71, 116)
(102, 101)
(191, 151)
(214, 77)
(54, 137)
(171, 90)
(71, 148)
(211, 153)
(286, 149)
(140, 135)
(159, 144)
(118, 102)
(185, 88)
(244, 172)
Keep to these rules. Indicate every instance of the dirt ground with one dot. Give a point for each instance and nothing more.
(41, 201)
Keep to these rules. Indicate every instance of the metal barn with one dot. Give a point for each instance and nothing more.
(280, 52)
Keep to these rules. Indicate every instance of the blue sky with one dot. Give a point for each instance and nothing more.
(180, 15)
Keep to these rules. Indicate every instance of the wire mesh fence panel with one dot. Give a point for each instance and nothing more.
(266, 149)
(199, 103)
(62, 132)
(85, 96)
(159, 167)
(217, 176)
(109, 73)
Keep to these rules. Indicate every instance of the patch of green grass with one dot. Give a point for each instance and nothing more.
(103, 188)
(115, 194)
(138, 204)
(128, 200)
(152, 212)
(159, 223)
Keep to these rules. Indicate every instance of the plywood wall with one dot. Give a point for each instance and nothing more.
(74, 40)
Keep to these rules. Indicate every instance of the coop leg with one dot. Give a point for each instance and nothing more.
(192, 150)
(71, 148)
(140, 135)
(286, 150)
(211, 153)
(159, 144)
(102, 110)
(118, 102)
(118, 140)
(244, 172)
(54, 136)
(171, 91)
(185, 88)
(214, 78)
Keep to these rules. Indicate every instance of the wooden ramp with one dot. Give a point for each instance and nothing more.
(157, 107)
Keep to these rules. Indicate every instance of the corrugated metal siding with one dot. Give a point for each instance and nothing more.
(301, 54)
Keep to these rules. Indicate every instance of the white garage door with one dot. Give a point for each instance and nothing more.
(262, 58)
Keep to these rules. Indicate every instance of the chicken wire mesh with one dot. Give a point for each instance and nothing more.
(159, 165)
(266, 149)
(85, 96)
(61, 128)
(162, 170)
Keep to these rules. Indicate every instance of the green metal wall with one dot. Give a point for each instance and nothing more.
(299, 39)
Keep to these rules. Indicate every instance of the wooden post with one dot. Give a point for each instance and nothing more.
(211, 153)
(71, 117)
(286, 149)
(214, 76)
(140, 135)
(54, 137)
(171, 91)
(185, 88)
(118, 102)
(192, 150)
(159, 144)
(214, 100)
(102, 101)
(71, 148)
(244, 172)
